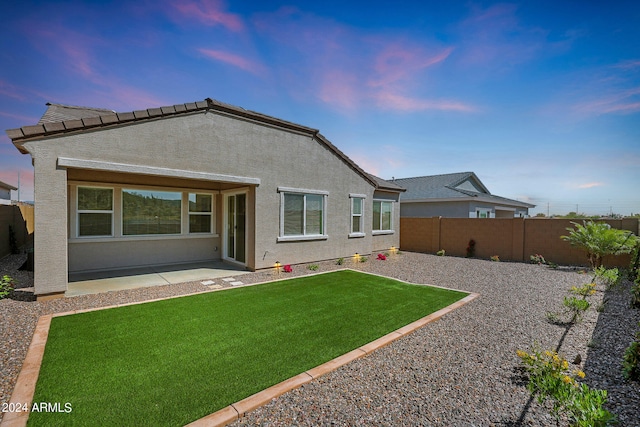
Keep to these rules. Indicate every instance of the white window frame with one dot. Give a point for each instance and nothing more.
(301, 191)
(381, 230)
(210, 213)
(352, 198)
(117, 213)
(480, 211)
(81, 211)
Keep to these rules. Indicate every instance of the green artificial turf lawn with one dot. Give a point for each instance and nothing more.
(171, 362)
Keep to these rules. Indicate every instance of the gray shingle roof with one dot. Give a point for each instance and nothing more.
(7, 186)
(461, 185)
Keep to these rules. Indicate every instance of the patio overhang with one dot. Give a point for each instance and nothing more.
(67, 162)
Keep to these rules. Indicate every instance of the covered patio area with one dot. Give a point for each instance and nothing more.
(131, 278)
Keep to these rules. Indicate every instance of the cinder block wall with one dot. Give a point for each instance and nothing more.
(512, 239)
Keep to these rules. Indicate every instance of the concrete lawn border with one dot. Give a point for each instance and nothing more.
(24, 390)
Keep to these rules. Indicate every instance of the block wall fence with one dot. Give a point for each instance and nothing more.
(20, 217)
(512, 239)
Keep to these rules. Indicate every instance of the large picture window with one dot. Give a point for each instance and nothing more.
(95, 211)
(302, 215)
(151, 212)
(382, 215)
(200, 213)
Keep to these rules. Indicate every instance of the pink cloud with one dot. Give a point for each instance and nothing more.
(347, 68)
(398, 102)
(233, 59)
(396, 63)
(209, 12)
(495, 37)
(591, 185)
(622, 101)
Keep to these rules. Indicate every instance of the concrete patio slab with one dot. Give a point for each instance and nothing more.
(104, 281)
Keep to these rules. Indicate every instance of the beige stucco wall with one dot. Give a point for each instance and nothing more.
(202, 142)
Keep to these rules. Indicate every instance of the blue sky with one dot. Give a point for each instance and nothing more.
(540, 99)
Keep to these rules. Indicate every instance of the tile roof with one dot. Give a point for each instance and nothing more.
(59, 113)
(60, 119)
(384, 184)
(449, 186)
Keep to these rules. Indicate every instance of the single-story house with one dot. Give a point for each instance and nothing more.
(194, 182)
(455, 195)
(5, 193)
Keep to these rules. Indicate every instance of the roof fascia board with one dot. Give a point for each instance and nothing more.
(66, 162)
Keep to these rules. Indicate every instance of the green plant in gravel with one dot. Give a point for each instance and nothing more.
(340, 261)
(635, 293)
(537, 259)
(634, 265)
(441, 252)
(631, 360)
(363, 259)
(551, 380)
(610, 277)
(7, 284)
(575, 307)
(313, 267)
(598, 239)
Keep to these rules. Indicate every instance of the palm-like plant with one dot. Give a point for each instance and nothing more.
(598, 239)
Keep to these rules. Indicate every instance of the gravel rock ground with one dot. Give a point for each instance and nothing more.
(461, 370)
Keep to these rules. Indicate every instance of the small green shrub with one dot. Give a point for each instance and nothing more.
(340, 261)
(635, 294)
(550, 379)
(7, 284)
(537, 259)
(576, 307)
(631, 360)
(585, 290)
(441, 252)
(608, 276)
(313, 267)
(363, 259)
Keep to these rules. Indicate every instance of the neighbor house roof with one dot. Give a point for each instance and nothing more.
(63, 119)
(383, 184)
(459, 186)
(7, 186)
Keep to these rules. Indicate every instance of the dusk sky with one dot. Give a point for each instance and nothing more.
(540, 99)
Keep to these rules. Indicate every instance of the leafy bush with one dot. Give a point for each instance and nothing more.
(598, 239)
(585, 290)
(7, 285)
(634, 265)
(441, 252)
(550, 379)
(635, 294)
(537, 259)
(631, 360)
(609, 276)
(340, 261)
(363, 259)
(576, 307)
(313, 267)
(495, 258)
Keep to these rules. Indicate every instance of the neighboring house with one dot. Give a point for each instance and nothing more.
(455, 195)
(195, 182)
(5, 193)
